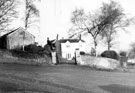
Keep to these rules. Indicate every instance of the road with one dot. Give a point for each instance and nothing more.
(64, 78)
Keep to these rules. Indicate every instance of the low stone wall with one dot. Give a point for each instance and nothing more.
(17, 57)
(99, 62)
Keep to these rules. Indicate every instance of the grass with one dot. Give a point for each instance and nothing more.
(80, 79)
(15, 84)
(117, 88)
(21, 57)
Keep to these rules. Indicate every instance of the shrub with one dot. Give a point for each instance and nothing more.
(47, 49)
(131, 55)
(110, 54)
(93, 52)
(123, 53)
(33, 48)
(132, 51)
(82, 53)
(25, 54)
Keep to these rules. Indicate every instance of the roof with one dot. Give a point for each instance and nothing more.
(70, 40)
(9, 32)
(19, 28)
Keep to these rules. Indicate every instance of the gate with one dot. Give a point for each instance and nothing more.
(66, 58)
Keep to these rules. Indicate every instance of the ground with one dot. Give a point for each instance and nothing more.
(64, 78)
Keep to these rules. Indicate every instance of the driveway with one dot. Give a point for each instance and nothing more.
(64, 79)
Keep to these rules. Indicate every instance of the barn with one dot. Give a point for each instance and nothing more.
(16, 39)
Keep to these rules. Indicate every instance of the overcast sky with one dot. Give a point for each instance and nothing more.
(56, 14)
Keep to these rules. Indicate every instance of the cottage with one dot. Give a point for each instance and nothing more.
(67, 47)
(16, 39)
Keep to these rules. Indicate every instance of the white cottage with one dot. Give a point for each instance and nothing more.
(69, 46)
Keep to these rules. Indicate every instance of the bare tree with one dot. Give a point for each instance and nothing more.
(7, 12)
(131, 53)
(31, 12)
(109, 35)
(104, 22)
(87, 23)
(116, 19)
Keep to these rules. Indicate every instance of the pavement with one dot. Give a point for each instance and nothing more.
(64, 78)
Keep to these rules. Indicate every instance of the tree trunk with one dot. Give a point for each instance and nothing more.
(108, 46)
(110, 38)
(95, 47)
(23, 41)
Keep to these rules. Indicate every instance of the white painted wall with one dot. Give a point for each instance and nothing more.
(69, 48)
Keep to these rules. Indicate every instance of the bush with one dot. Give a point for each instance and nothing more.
(93, 52)
(34, 48)
(47, 49)
(25, 54)
(110, 54)
(123, 53)
(82, 53)
(131, 55)
(132, 52)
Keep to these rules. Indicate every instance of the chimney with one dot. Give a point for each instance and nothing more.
(80, 37)
(57, 37)
(48, 41)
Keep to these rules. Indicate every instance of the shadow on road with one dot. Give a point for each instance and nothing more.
(116, 88)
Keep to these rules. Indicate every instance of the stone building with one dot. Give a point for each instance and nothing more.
(16, 39)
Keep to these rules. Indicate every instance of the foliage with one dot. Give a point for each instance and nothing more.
(132, 51)
(31, 12)
(82, 53)
(47, 49)
(93, 52)
(34, 48)
(115, 18)
(110, 54)
(131, 55)
(132, 47)
(103, 22)
(7, 12)
(123, 53)
(26, 54)
(85, 23)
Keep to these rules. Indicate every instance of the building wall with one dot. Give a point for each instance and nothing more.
(19, 38)
(68, 49)
(29, 39)
(3, 43)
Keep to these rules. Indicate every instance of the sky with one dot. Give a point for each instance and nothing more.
(19, 21)
(55, 18)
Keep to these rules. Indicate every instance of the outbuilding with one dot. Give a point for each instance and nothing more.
(16, 39)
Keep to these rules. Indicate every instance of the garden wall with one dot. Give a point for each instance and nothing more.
(99, 62)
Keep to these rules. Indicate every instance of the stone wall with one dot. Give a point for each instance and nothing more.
(99, 62)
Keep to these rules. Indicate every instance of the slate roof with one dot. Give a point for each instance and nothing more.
(8, 33)
(19, 28)
(70, 40)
